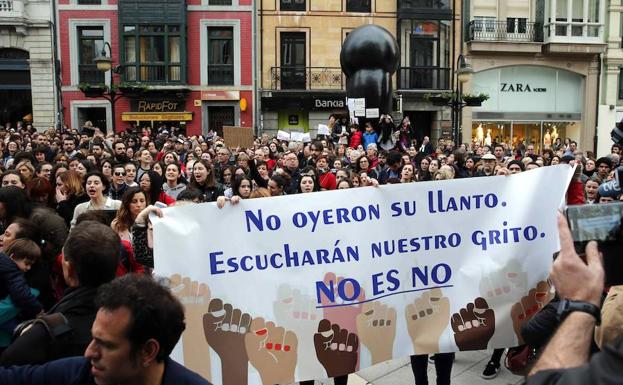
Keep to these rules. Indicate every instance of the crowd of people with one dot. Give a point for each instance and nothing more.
(62, 190)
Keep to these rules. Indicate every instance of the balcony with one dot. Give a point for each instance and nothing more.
(306, 78)
(11, 8)
(423, 78)
(416, 8)
(90, 74)
(512, 30)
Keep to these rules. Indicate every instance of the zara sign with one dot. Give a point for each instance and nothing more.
(529, 88)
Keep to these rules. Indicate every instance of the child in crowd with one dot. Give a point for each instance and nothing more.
(19, 257)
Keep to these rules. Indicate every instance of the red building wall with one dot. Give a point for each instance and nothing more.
(193, 48)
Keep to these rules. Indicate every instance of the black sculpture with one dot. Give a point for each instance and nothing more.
(369, 57)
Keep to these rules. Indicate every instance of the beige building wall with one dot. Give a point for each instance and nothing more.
(326, 24)
(580, 58)
(28, 28)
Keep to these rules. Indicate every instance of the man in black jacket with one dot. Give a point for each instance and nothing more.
(90, 258)
(137, 325)
(565, 359)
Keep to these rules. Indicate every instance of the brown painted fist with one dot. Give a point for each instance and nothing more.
(336, 349)
(225, 327)
(272, 351)
(473, 325)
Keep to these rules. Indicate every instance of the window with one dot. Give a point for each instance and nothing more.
(484, 23)
(219, 2)
(90, 44)
(292, 5)
(89, 2)
(220, 56)
(152, 53)
(620, 83)
(516, 25)
(358, 6)
(576, 18)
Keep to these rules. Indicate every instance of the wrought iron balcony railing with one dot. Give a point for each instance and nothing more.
(306, 78)
(90, 74)
(424, 4)
(11, 8)
(424, 78)
(511, 30)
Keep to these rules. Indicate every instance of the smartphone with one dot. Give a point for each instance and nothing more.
(601, 223)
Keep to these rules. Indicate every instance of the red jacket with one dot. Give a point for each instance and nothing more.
(575, 193)
(355, 139)
(328, 181)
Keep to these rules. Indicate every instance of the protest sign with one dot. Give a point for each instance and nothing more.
(298, 287)
(238, 136)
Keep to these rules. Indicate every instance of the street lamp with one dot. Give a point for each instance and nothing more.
(464, 73)
(104, 64)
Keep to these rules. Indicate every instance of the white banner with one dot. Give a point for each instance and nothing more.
(309, 286)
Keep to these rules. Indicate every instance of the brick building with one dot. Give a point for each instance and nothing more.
(180, 63)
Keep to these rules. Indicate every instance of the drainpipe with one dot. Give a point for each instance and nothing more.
(258, 76)
(596, 135)
(56, 69)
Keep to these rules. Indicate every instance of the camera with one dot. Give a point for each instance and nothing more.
(601, 223)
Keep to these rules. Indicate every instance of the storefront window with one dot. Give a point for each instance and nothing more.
(540, 134)
(487, 133)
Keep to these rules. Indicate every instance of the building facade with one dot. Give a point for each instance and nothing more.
(538, 61)
(611, 100)
(177, 63)
(428, 49)
(301, 81)
(27, 81)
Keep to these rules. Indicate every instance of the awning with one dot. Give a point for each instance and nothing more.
(151, 116)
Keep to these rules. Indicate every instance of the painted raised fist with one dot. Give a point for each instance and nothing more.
(529, 305)
(195, 297)
(473, 325)
(272, 351)
(427, 317)
(336, 349)
(225, 327)
(376, 326)
(369, 57)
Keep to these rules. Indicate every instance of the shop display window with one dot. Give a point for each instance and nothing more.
(542, 135)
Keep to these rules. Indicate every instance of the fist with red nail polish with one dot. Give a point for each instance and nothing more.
(272, 351)
(523, 310)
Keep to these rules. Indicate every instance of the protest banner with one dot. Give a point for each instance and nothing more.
(318, 285)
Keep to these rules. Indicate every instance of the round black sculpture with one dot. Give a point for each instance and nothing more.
(369, 57)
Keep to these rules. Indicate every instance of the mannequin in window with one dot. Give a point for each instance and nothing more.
(479, 135)
(547, 140)
(488, 138)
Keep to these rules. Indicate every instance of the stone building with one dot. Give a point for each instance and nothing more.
(27, 81)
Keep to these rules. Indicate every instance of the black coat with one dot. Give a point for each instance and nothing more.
(35, 346)
(13, 283)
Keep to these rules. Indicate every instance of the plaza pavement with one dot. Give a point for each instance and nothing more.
(466, 371)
